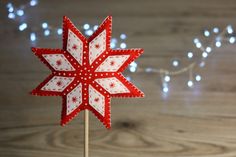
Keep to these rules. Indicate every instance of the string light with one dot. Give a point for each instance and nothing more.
(44, 25)
(165, 87)
(204, 55)
(206, 33)
(32, 37)
(47, 32)
(190, 55)
(198, 78)
(198, 45)
(123, 36)
(190, 83)
(123, 45)
(23, 26)
(232, 40)
(20, 12)
(95, 27)
(89, 32)
(216, 30)
(33, 3)
(11, 15)
(167, 78)
(10, 9)
(86, 26)
(226, 34)
(230, 29)
(175, 63)
(208, 49)
(218, 44)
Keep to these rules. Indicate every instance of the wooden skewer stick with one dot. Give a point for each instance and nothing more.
(86, 133)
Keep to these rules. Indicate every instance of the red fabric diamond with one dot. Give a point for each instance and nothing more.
(84, 77)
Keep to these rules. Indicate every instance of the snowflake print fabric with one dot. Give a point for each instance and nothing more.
(86, 73)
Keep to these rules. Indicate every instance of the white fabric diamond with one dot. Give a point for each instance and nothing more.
(75, 46)
(57, 83)
(96, 100)
(112, 63)
(97, 46)
(58, 62)
(74, 99)
(112, 85)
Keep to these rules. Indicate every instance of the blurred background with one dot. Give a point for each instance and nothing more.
(187, 74)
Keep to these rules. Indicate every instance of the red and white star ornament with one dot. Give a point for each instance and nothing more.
(86, 73)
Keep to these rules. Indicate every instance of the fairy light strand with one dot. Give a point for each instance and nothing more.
(17, 14)
(226, 35)
(45, 29)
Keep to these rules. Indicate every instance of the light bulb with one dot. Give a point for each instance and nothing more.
(86, 26)
(113, 45)
(165, 89)
(190, 55)
(59, 31)
(230, 29)
(198, 78)
(32, 36)
(133, 64)
(196, 40)
(198, 45)
(89, 32)
(20, 12)
(10, 9)
(128, 78)
(95, 27)
(218, 44)
(9, 5)
(123, 45)
(11, 15)
(44, 25)
(216, 30)
(208, 49)
(190, 83)
(167, 78)
(33, 3)
(47, 32)
(232, 40)
(23, 26)
(204, 55)
(132, 69)
(114, 40)
(175, 63)
(206, 33)
(123, 36)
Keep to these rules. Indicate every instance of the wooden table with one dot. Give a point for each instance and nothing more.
(197, 122)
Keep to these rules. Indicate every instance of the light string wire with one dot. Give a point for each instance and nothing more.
(17, 14)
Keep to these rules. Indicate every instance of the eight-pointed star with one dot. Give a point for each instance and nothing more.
(86, 73)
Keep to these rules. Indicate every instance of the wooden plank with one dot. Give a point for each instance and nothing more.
(185, 122)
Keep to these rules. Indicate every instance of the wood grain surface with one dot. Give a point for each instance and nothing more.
(198, 122)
